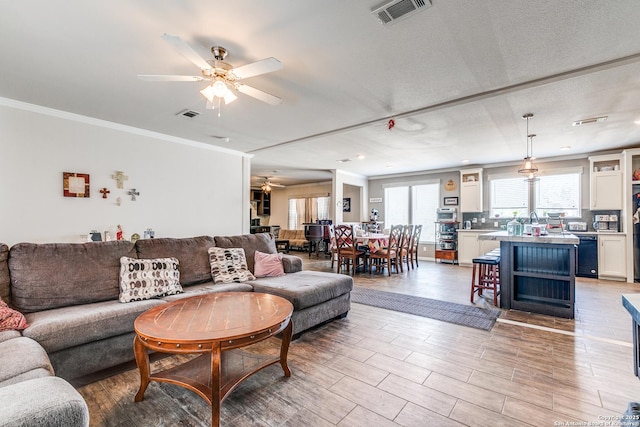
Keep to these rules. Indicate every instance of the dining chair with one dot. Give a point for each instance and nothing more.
(348, 253)
(389, 255)
(405, 246)
(333, 247)
(415, 243)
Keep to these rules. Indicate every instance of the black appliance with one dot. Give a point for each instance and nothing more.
(587, 257)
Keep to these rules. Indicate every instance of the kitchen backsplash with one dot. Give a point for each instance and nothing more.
(482, 220)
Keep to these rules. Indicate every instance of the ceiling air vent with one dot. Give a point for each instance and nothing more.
(188, 113)
(391, 11)
(590, 121)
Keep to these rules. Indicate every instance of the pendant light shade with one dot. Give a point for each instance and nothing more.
(528, 168)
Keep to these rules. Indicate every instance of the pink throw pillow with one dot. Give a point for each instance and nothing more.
(11, 319)
(268, 265)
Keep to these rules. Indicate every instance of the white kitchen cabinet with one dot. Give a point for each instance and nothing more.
(612, 262)
(488, 245)
(468, 246)
(605, 182)
(471, 190)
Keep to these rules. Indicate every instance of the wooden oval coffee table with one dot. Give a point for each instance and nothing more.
(216, 325)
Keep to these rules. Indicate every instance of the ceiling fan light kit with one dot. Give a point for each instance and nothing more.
(223, 77)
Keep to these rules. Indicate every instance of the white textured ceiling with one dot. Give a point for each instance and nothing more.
(456, 77)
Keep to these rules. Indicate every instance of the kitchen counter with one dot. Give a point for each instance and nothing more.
(537, 273)
(555, 238)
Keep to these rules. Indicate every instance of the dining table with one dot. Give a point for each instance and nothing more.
(374, 241)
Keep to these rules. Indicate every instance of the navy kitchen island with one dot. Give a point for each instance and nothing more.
(537, 273)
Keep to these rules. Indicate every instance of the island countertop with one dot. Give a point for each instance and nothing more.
(555, 238)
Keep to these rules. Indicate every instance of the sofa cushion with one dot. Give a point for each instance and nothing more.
(268, 265)
(11, 319)
(142, 279)
(52, 275)
(262, 242)
(5, 282)
(306, 288)
(19, 357)
(208, 288)
(67, 327)
(190, 251)
(229, 265)
(43, 402)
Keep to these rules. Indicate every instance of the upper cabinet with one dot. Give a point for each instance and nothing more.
(606, 182)
(471, 190)
(262, 202)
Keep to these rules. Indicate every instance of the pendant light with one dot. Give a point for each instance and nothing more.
(528, 168)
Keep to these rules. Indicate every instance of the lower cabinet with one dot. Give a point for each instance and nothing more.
(468, 246)
(612, 258)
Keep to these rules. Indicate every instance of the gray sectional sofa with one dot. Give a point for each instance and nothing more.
(77, 326)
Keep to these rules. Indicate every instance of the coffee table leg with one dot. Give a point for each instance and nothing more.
(284, 348)
(142, 360)
(216, 375)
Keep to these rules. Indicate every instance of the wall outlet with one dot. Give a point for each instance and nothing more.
(495, 224)
(424, 249)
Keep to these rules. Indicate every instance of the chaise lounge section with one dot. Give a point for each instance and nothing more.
(69, 294)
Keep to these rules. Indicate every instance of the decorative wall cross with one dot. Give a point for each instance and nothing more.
(120, 177)
(104, 192)
(133, 193)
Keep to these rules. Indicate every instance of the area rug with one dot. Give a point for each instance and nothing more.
(466, 315)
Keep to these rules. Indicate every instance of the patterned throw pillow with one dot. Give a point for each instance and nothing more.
(268, 265)
(142, 279)
(229, 265)
(11, 319)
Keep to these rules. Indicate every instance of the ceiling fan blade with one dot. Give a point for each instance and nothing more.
(258, 94)
(277, 185)
(265, 66)
(186, 50)
(169, 78)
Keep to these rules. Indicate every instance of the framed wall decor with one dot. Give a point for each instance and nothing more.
(346, 204)
(75, 184)
(451, 201)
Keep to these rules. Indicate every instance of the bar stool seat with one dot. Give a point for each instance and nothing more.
(488, 277)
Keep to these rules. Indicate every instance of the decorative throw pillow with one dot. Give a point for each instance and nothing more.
(268, 265)
(229, 265)
(142, 279)
(11, 319)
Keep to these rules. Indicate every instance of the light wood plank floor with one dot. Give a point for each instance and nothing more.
(384, 368)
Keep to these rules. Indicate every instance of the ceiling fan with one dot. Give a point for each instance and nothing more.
(267, 185)
(223, 79)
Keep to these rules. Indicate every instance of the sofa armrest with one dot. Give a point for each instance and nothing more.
(291, 263)
(44, 402)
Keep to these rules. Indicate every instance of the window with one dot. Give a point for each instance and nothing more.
(556, 192)
(413, 204)
(307, 209)
(509, 197)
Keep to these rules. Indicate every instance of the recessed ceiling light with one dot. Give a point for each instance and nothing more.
(389, 166)
(465, 161)
(637, 121)
(565, 147)
(360, 156)
(220, 138)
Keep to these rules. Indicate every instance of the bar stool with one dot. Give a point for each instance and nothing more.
(488, 277)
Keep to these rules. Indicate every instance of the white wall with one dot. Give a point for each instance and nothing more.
(186, 188)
